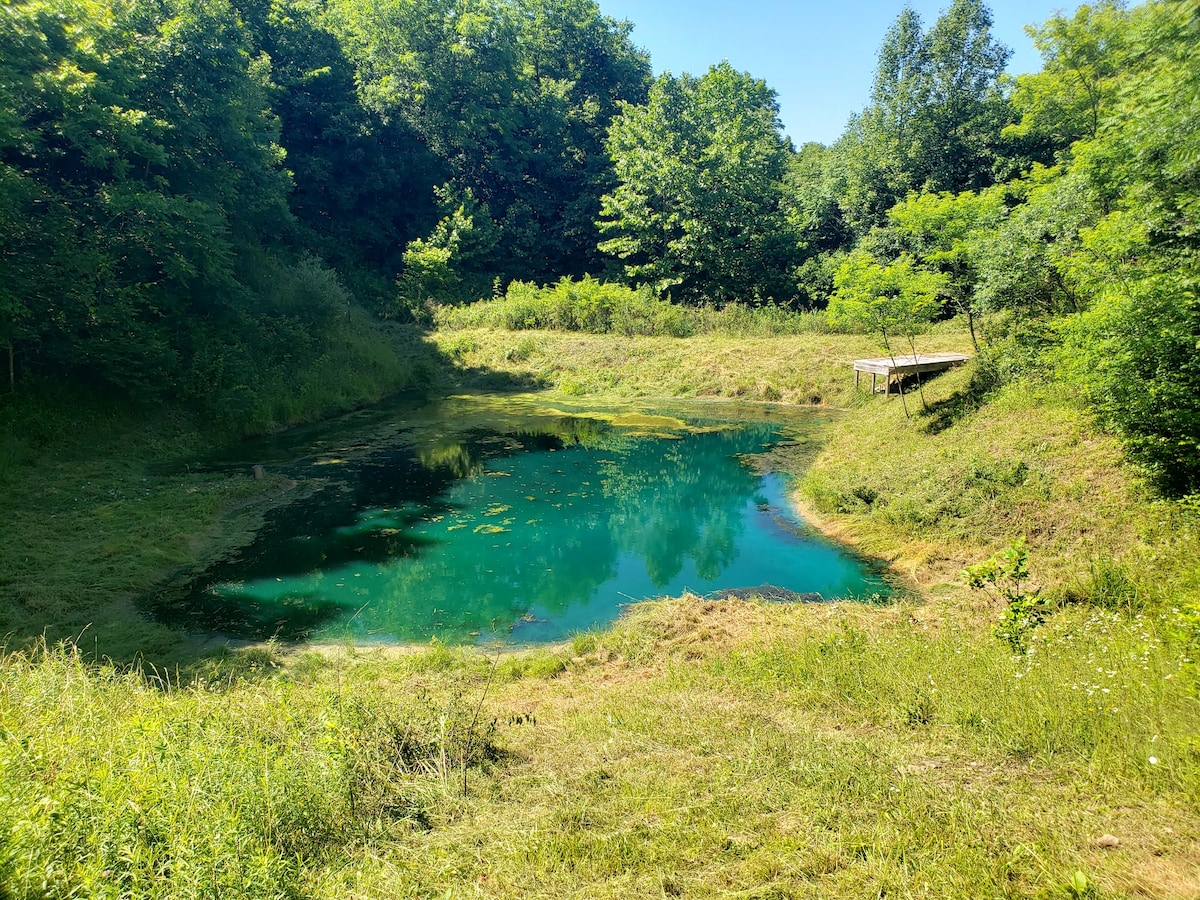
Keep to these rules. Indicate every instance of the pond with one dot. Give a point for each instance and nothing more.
(514, 518)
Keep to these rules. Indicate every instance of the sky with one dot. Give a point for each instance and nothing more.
(818, 55)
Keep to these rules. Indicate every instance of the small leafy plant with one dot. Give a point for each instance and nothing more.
(1004, 577)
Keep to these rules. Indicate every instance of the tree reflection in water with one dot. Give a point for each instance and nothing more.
(539, 524)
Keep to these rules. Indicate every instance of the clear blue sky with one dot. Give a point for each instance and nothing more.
(818, 55)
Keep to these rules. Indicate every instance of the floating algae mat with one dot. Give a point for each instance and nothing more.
(510, 518)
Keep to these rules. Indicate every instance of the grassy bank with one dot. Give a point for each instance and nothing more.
(696, 749)
(961, 480)
(804, 369)
(101, 499)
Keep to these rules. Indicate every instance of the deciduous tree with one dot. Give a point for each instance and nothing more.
(698, 209)
(936, 112)
(938, 229)
(894, 301)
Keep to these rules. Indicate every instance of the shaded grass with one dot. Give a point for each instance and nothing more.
(100, 504)
(98, 508)
(363, 363)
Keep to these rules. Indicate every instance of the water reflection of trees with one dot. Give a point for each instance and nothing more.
(453, 456)
(465, 454)
(684, 503)
(568, 520)
(472, 532)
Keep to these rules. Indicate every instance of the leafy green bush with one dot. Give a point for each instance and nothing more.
(598, 307)
(1134, 357)
(587, 305)
(1004, 577)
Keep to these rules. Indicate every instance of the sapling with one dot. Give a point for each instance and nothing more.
(1004, 577)
(890, 301)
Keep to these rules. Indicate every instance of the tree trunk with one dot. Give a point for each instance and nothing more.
(912, 344)
(887, 345)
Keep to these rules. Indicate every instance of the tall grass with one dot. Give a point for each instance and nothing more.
(119, 784)
(356, 364)
(597, 307)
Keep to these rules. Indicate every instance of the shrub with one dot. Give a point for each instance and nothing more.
(1133, 356)
(598, 307)
(1004, 577)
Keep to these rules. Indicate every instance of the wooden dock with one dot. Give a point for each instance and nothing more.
(896, 367)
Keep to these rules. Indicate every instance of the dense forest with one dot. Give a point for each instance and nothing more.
(208, 201)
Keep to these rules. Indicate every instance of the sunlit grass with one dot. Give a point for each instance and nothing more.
(599, 307)
(696, 749)
(803, 369)
(1027, 463)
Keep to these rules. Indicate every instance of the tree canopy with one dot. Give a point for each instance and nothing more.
(697, 211)
(198, 196)
(513, 97)
(937, 108)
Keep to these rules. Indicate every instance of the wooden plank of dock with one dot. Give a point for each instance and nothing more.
(899, 366)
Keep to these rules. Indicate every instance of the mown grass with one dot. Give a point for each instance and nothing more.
(1028, 462)
(802, 369)
(697, 749)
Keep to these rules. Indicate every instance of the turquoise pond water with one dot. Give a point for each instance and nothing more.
(513, 518)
